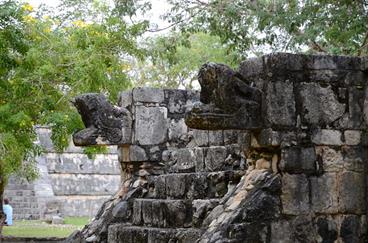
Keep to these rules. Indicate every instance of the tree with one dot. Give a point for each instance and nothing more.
(45, 60)
(173, 60)
(247, 26)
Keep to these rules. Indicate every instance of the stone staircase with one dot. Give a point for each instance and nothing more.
(174, 207)
(23, 199)
(173, 176)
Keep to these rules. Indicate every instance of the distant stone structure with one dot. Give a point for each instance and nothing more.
(70, 183)
(298, 173)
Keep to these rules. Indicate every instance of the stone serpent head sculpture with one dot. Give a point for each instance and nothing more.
(227, 100)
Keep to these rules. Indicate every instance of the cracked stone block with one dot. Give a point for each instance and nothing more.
(295, 194)
(148, 95)
(137, 153)
(176, 100)
(324, 193)
(352, 137)
(332, 159)
(200, 137)
(215, 158)
(320, 105)
(125, 99)
(151, 125)
(185, 160)
(177, 128)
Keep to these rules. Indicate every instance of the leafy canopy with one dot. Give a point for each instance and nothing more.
(45, 60)
(248, 26)
(173, 60)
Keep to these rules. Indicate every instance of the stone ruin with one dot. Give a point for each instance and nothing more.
(273, 152)
(69, 184)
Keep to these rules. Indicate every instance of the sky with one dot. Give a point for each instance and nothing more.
(159, 7)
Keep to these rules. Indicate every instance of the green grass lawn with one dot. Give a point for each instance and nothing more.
(37, 228)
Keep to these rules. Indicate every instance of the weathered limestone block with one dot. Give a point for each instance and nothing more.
(201, 209)
(324, 193)
(176, 185)
(319, 104)
(280, 104)
(215, 138)
(327, 228)
(148, 95)
(352, 137)
(194, 185)
(354, 119)
(352, 193)
(327, 137)
(105, 124)
(296, 160)
(185, 160)
(332, 159)
(123, 233)
(355, 158)
(268, 137)
(150, 125)
(201, 137)
(176, 100)
(215, 158)
(295, 194)
(297, 229)
(125, 99)
(177, 129)
(137, 153)
(353, 228)
(161, 213)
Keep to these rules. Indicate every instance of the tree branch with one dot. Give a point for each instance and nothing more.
(364, 44)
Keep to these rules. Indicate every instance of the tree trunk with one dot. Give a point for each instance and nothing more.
(2, 215)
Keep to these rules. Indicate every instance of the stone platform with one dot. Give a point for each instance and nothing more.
(298, 173)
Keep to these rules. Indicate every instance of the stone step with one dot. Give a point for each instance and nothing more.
(128, 234)
(169, 213)
(16, 201)
(200, 185)
(210, 159)
(163, 213)
(20, 193)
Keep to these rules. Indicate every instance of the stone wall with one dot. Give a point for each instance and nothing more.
(297, 173)
(169, 170)
(313, 140)
(162, 143)
(70, 183)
